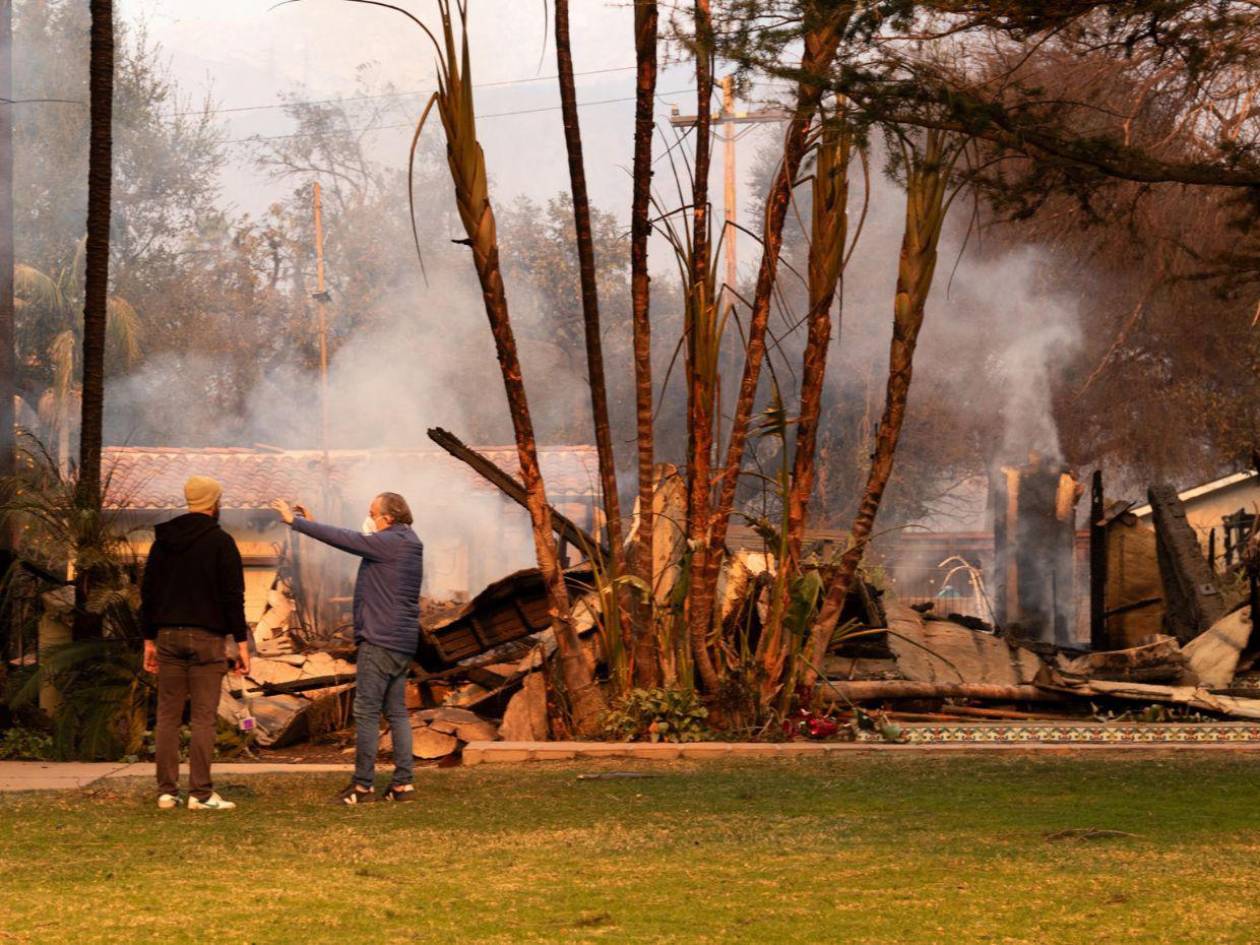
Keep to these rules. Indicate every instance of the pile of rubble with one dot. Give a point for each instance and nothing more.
(1166, 628)
(1178, 638)
(479, 675)
(943, 670)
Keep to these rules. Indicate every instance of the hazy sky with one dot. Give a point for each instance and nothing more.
(247, 52)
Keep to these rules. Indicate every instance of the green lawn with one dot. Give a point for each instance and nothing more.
(888, 850)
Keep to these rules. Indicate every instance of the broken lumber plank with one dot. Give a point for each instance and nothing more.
(1161, 660)
(511, 608)
(1192, 599)
(306, 684)
(1191, 696)
(943, 651)
(510, 486)
(871, 690)
(984, 712)
(1134, 592)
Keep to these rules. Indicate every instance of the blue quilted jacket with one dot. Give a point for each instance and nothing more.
(387, 590)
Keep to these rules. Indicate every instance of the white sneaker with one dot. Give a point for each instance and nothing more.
(213, 802)
(168, 801)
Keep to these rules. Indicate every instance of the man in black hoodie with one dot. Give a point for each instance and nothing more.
(192, 599)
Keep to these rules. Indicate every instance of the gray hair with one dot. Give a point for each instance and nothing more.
(395, 506)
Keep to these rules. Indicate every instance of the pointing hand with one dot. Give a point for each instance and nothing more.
(282, 507)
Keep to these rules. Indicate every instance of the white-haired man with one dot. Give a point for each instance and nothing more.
(386, 628)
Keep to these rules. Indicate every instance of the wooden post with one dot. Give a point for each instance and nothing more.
(510, 486)
(728, 153)
(1097, 566)
(1192, 599)
(1001, 547)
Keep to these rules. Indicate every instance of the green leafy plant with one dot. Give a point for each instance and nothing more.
(658, 715)
(103, 696)
(25, 744)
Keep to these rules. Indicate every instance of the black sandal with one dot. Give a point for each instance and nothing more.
(400, 793)
(355, 795)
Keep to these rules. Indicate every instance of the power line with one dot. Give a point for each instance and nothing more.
(233, 109)
(384, 95)
(371, 128)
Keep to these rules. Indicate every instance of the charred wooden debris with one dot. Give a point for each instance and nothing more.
(1169, 638)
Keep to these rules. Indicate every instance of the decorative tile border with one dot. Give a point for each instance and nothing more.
(1085, 733)
(916, 737)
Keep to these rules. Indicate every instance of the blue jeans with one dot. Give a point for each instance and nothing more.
(380, 685)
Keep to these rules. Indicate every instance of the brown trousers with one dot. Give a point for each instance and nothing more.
(191, 666)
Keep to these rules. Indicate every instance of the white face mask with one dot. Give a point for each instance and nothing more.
(368, 527)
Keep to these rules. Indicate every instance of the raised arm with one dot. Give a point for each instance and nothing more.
(365, 546)
(347, 539)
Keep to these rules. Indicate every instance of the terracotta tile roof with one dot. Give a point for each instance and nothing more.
(153, 477)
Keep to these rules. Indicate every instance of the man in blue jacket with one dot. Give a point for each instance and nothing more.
(386, 629)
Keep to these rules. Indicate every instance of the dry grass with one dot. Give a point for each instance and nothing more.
(869, 850)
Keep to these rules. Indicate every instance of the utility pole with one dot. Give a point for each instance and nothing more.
(728, 119)
(728, 194)
(321, 300)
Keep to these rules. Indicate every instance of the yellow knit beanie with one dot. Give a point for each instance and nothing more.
(202, 493)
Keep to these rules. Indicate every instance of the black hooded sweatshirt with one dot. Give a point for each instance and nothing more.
(193, 578)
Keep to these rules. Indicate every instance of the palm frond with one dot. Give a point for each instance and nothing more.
(125, 329)
(36, 288)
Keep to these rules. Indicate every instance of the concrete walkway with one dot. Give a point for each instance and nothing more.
(52, 776)
(61, 776)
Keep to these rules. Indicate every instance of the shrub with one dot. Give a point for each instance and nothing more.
(658, 715)
(25, 744)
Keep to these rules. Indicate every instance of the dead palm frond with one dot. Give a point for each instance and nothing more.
(36, 288)
(125, 329)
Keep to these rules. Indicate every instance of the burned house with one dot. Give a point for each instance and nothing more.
(472, 533)
(1221, 512)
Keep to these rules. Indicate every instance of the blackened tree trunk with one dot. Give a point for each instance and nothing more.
(8, 365)
(467, 164)
(646, 658)
(702, 379)
(590, 295)
(928, 175)
(828, 235)
(96, 269)
(95, 310)
(822, 38)
(8, 360)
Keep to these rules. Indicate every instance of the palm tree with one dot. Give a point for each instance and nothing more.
(590, 311)
(50, 344)
(646, 659)
(96, 266)
(8, 366)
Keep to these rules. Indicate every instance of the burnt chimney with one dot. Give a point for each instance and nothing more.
(1034, 533)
